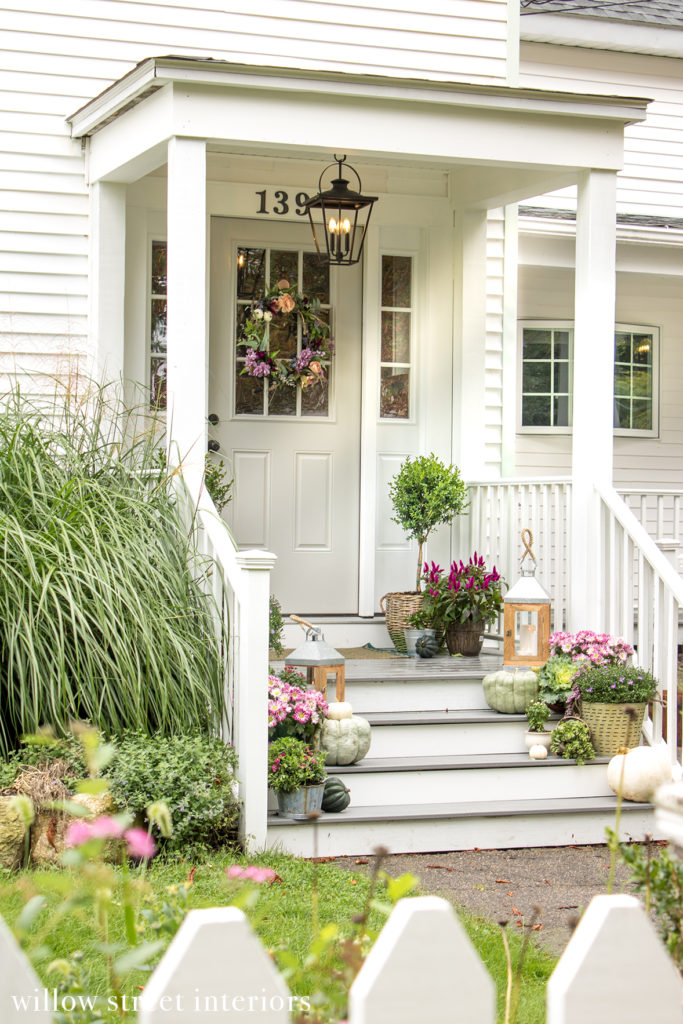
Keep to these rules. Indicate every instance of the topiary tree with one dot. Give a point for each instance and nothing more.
(425, 494)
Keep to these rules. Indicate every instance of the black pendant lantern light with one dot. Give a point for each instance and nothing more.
(340, 217)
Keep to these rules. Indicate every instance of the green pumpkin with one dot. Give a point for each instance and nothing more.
(426, 646)
(345, 740)
(510, 691)
(336, 796)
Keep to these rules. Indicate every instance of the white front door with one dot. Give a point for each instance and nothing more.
(295, 454)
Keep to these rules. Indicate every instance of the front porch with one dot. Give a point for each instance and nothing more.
(445, 772)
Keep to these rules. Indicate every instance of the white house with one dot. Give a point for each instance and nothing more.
(150, 149)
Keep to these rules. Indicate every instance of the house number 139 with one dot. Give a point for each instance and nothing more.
(281, 206)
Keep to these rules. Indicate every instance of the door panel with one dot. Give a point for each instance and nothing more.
(295, 454)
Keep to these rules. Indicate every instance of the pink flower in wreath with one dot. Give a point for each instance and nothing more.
(315, 368)
(285, 303)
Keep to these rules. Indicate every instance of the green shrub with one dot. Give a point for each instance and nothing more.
(192, 774)
(425, 494)
(275, 626)
(101, 618)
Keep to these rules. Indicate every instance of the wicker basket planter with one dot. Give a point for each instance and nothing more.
(465, 638)
(397, 607)
(613, 725)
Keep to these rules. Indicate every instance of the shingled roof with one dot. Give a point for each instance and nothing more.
(664, 13)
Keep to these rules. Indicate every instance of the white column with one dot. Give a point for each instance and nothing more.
(469, 386)
(593, 401)
(187, 347)
(252, 697)
(107, 274)
(510, 290)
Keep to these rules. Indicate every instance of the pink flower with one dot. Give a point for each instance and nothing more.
(140, 843)
(106, 827)
(78, 832)
(251, 873)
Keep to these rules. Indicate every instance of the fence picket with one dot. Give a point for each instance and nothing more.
(22, 997)
(615, 970)
(215, 968)
(422, 967)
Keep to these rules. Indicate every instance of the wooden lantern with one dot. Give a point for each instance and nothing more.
(526, 615)
(320, 661)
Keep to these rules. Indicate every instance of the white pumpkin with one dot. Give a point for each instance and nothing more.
(345, 740)
(644, 768)
(538, 752)
(338, 709)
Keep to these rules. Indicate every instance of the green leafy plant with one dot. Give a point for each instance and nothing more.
(292, 764)
(537, 714)
(275, 626)
(192, 774)
(572, 740)
(101, 617)
(421, 619)
(556, 679)
(425, 494)
(616, 684)
(217, 482)
(658, 878)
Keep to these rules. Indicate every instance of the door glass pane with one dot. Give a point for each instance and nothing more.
(284, 266)
(561, 344)
(250, 272)
(282, 402)
(561, 374)
(536, 344)
(158, 268)
(315, 399)
(561, 411)
(158, 382)
(642, 349)
(248, 393)
(395, 392)
(158, 327)
(622, 412)
(396, 281)
(316, 278)
(282, 336)
(395, 337)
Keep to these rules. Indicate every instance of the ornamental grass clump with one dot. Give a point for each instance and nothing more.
(292, 764)
(101, 617)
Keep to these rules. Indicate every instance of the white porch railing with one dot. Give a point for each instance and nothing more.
(239, 583)
(423, 967)
(660, 511)
(641, 594)
(500, 510)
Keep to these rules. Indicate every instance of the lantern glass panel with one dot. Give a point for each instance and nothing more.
(526, 633)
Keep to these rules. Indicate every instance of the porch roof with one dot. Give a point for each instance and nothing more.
(502, 144)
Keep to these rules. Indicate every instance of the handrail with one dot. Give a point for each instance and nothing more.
(639, 535)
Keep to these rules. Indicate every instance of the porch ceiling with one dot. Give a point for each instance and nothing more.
(500, 144)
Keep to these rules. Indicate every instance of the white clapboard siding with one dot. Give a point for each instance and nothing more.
(53, 58)
(493, 357)
(648, 299)
(650, 182)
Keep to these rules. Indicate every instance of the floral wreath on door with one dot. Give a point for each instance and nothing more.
(317, 347)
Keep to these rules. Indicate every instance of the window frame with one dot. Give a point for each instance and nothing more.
(568, 325)
(410, 366)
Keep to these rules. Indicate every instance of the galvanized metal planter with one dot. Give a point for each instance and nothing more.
(299, 804)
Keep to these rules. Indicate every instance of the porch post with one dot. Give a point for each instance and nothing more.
(187, 347)
(107, 274)
(470, 372)
(593, 399)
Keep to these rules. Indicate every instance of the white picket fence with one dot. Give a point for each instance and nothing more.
(422, 968)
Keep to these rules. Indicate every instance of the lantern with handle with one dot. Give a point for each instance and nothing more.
(319, 659)
(526, 615)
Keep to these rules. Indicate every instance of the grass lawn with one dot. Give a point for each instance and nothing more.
(283, 911)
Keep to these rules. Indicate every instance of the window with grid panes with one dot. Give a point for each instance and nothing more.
(396, 336)
(258, 267)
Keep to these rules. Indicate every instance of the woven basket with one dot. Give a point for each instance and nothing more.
(399, 606)
(613, 726)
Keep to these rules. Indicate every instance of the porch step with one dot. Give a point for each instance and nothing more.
(484, 825)
(491, 776)
(443, 733)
